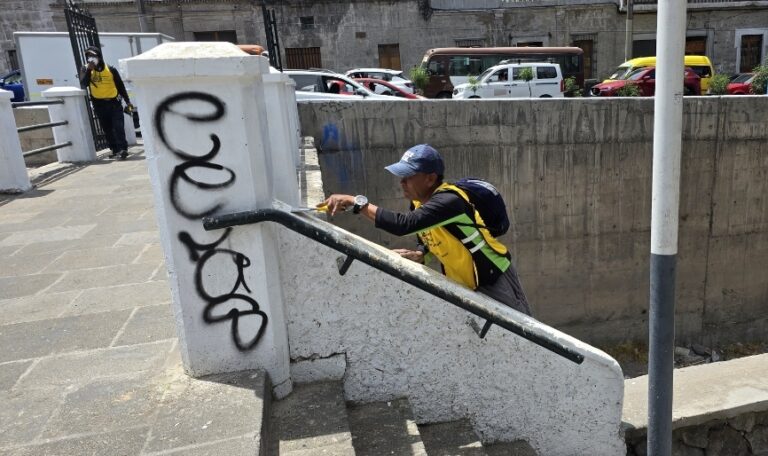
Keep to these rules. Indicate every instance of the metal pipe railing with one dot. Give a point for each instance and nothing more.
(46, 149)
(346, 246)
(22, 104)
(40, 126)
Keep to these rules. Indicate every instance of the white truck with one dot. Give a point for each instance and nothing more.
(47, 61)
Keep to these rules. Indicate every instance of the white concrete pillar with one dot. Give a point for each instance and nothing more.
(209, 151)
(13, 172)
(78, 131)
(282, 123)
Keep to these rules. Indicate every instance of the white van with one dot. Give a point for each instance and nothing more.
(504, 81)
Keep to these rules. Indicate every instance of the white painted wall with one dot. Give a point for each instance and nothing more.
(215, 93)
(13, 172)
(402, 342)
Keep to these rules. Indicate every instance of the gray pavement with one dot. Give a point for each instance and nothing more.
(89, 363)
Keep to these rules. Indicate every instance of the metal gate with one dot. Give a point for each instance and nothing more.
(273, 40)
(82, 34)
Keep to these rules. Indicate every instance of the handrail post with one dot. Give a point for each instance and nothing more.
(77, 131)
(13, 172)
(211, 147)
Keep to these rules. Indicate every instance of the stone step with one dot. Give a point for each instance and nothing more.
(312, 420)
(517, 448)
(385, 428)
(454, 438)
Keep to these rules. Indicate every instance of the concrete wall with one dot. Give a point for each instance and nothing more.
(389, 340)
(17, 15)
(576, 175)
(348, 33)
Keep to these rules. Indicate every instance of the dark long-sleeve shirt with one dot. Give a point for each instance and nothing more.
(441, 206)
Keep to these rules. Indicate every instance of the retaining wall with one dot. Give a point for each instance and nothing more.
(576, 175)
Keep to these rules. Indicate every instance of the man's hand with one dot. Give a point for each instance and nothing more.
(413, 255)
(338, 203)
(91, 66)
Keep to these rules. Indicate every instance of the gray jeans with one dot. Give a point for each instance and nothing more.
(507, 290)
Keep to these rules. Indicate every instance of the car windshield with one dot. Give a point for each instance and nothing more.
(743, 77)
(635, 75)
(620, 73)
(485, 74)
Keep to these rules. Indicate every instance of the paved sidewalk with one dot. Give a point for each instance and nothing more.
(88, 354)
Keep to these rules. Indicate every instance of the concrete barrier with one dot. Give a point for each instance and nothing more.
(576, 175)
(13, 173)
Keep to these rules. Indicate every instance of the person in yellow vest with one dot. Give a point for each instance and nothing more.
(106, 87)
(447, 226)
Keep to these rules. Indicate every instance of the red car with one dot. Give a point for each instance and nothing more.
(645, 79)
(741, 84)
(387, 88)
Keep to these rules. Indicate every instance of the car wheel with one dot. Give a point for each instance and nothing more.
(444, 95)
(546, 96)
(473, 96)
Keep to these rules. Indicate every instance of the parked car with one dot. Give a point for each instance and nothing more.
(495, 82)
(13, 82)
(700, 64)
(328, 82)
(645, 79)
(387, 88)
(394, 77)
(740, 84)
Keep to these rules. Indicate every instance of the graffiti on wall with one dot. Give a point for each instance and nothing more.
(211, 260)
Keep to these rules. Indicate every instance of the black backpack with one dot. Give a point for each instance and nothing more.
(488, 202)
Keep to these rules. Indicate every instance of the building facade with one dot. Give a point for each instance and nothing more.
(340, 35)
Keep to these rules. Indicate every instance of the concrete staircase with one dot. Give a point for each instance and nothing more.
(315, 420)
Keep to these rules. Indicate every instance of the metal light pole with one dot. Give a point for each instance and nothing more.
(628, 36)
(142, 16)
(667, 144)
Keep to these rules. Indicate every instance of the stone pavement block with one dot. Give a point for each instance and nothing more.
(74, 368)
(246, 445)
(84, 279)
(24, 413)
(212, 408)
(9, 250)
(14, 287)
(56, 233)
(125, 442)
(120, 297)
(37, 307)
(25, 264)
(10, 373)
(148, 324)
(88, 242)
(152, 253)
(106, 404)
(14, 217)
(39, 338)
(336, 449)
(455, 438)
(95, 258)
(139, 238)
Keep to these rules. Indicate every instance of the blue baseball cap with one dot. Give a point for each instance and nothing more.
(421, 158)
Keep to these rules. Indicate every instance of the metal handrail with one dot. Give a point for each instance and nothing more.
(21, 104)
(333, 240)
(39, 126)
(46, 149)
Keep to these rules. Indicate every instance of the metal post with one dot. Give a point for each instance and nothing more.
(628, 41)
(142, 16)
(667, 144)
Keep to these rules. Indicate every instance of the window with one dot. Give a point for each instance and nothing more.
(307, 82)
(303, 58)
(13, 61)
(643, 48)
(546, 72)
(702, 70)
(360, 35)
(499, 76)
(516, 73)
(389, 56)
(530, 43)
(220, 35)
(751, 50)
(696, 45)
(307, 22)
(470, 43)
(588, 46)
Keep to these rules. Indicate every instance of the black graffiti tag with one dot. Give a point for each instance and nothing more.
(193, 161)
(223, 306)
(201, 254)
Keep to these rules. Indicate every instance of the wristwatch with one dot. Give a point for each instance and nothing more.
(360, 202)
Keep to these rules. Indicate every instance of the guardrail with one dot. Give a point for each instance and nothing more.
(333, 239)
(41, 150)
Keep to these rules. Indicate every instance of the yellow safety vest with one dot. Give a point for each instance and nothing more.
(103, 84)
(468, 252)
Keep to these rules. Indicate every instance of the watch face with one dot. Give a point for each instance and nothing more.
(361, 200)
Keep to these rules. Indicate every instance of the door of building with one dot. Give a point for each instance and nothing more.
(751, 48)
(389, 56)
(303, 58)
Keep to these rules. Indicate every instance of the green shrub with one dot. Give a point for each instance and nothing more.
(420, 78)
(473, 82)
(629, 90)
(571, 88)
(757, 86)
(718, 84)
(526, 74)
